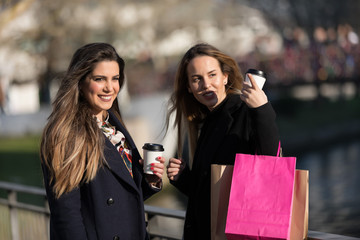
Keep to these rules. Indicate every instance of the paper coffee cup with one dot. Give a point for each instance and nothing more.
(151, 151)
(259, 76)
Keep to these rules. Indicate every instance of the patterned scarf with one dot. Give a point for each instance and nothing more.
(117, 138)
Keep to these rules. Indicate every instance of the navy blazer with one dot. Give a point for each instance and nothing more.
(111, 206)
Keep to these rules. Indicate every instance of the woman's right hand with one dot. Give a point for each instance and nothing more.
(174, 168)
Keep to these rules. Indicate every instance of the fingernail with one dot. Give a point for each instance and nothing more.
(152, 164)
(151, 168)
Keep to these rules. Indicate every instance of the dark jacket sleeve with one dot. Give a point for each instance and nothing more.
(265, 129)
(66, 218)
(147, 189)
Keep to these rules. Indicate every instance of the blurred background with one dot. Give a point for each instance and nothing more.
(309, 49)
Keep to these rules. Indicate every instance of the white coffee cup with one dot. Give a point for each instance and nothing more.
(259, 76)
(151, 151)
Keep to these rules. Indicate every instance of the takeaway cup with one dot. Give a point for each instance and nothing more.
(259, 76)
(151, 151)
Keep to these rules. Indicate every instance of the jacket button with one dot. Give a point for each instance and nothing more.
(116, 238)
(109, 202)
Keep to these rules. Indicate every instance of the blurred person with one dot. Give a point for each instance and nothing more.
(92, 169)
(221, 116)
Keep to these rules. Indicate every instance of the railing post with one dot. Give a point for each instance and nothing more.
(14, 221)
(47, 208)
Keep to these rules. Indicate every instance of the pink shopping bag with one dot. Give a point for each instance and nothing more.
(261, 195)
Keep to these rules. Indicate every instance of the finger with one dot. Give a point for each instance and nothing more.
(160, 159)
(157, 171)
(174, 163)
(158, 175)
(171, 176)
(253, 82)
(245, 93)
(173, 170)
(175, 160)
(157, 168)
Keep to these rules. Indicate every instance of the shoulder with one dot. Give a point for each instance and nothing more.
(235, 106)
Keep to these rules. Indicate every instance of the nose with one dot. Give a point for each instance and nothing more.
(108, 85)
(206, 83)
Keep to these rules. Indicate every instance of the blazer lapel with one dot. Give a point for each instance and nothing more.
(116, 164)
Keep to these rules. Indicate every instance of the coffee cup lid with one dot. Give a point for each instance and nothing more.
(256, 72)
(153, 147)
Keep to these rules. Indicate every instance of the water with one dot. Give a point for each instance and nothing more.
(334, 193)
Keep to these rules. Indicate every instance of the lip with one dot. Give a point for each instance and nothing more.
(105, 98)
(208, 94)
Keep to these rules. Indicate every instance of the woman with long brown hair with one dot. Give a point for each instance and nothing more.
(92, 169)
(220, 116)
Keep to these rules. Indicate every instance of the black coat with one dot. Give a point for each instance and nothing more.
(109, 207)
(229, 129)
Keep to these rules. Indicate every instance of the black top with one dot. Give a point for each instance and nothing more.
(230, 128)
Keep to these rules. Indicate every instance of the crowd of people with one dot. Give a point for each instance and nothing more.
(326, 55)
(330, 54)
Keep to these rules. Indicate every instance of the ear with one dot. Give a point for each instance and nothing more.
(225, 78)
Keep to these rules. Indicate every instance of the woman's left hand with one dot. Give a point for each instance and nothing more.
(252, 95)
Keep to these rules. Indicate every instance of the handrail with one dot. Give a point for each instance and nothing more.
(12, 203)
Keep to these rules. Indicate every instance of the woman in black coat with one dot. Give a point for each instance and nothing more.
(222, 117)
(92, 169)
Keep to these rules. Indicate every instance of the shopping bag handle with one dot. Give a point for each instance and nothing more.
(279, 151)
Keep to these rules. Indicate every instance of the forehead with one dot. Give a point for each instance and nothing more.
(203, 64)
(106, 67)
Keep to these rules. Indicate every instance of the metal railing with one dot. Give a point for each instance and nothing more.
(13, 215)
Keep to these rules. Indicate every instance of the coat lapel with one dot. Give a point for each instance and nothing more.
(115, 162)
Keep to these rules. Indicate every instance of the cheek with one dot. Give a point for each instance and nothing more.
(93, 88)
(117, 88)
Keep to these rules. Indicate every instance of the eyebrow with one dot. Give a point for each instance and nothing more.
(195, 75)
(117, 75)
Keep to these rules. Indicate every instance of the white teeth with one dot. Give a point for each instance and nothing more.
(105, 97)
(208, 94)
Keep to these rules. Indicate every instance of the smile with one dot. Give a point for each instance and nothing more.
(106, 98)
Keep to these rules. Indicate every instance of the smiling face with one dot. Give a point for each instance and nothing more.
(101, 87)
(206, 81)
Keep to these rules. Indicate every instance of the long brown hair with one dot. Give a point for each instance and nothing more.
(72, 143)
(190, 113)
